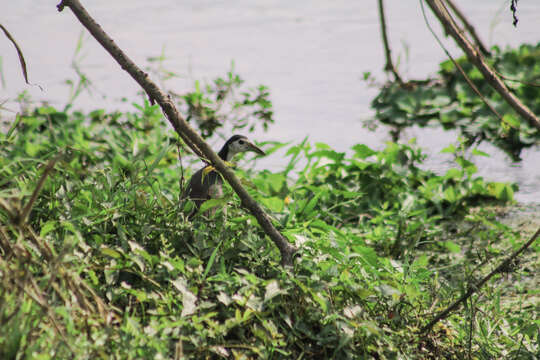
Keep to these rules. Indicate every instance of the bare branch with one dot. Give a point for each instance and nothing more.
(478, 60)
(184, 130)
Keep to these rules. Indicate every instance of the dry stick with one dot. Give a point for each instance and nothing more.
(478, 60)
(474, 288)
(181, 181)
(184, 130)
(389, 66)
(470, 28)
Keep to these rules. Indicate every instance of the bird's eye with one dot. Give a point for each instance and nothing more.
(241, 142)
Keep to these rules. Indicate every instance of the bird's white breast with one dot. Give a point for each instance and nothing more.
(215, 191)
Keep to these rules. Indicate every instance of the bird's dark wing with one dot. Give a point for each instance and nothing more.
(198, 189)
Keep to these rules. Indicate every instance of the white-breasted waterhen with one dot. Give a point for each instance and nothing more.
(205, 185)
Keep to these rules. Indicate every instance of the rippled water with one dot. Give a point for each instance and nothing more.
(310, 53)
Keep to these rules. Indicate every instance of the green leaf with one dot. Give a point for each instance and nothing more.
(477, 152)
(501, 191)
(274, 203)
(329, 154)
(110, 252)
(453, 174)
(447, 66)
(320, 300)
(276, 181)
(362, 151)
(276, 146)
(452, 247)
(189, 300)
(166, 148)
(271, 290)
(450, 194)
(212, 203)
(212, 259)
(421, 261)
(311, 204)
(511, 120)
(406, 103)
(224, 298)
(47, 228)
(450, 149)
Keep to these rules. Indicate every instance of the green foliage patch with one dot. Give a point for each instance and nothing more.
(224, 100)
(107, 265)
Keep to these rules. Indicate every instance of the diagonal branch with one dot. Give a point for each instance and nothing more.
(473, 289)
(184, 130)
(476, 58)
(470, 28)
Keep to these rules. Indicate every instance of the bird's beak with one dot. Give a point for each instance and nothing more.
(255, 149)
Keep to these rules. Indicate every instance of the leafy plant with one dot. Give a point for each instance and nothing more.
(224, 101)
(108, 267)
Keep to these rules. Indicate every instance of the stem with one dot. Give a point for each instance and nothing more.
(389, 66)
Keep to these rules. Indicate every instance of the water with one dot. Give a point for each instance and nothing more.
(311, 54)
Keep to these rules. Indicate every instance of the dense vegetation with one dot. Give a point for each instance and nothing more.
(106, 265)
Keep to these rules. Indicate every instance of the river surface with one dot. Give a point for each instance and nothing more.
(311, 54)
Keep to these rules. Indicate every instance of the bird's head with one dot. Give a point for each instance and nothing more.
(238, 144)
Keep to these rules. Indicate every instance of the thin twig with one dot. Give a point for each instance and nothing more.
(389, 66)
(471, 328)
(507, 78)
(474, 288)
(181, 181)
(19, 53)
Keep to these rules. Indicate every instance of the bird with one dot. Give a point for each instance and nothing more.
(207, 183)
